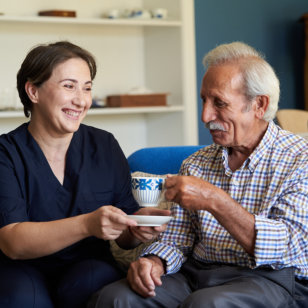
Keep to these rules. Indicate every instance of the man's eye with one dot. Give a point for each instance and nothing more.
(219, 103)
(88, 89)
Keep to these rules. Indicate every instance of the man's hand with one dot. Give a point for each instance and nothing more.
(146, 234)
(144, 275)
(192, 193)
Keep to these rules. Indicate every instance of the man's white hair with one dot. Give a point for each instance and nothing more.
(259, 77)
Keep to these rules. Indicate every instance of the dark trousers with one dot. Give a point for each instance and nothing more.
(198, 285)
(23, 285)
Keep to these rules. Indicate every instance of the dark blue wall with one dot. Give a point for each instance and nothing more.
(270, 26)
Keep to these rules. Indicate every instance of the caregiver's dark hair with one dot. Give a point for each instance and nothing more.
(40, 62)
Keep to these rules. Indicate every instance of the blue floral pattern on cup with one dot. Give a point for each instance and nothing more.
(147, 184)
(148, 191)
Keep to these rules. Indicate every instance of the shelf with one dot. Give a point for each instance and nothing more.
(156, 53)
(130, 110)
(91, 21)
(107, 111)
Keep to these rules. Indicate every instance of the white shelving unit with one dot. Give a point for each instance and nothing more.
(106, 111)
(91, 21)
(157, 54)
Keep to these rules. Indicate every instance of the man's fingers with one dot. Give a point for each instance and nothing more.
(138, 286)
(171, 194)
(140, 279)
(170, 181)
(156, 277)
(145, 273)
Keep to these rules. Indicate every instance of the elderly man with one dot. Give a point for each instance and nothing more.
(240, 228)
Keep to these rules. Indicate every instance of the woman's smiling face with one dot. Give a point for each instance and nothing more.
(62, 102)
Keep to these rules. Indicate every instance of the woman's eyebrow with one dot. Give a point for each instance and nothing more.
(75, 81)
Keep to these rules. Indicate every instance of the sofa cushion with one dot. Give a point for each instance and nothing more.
(160, 160)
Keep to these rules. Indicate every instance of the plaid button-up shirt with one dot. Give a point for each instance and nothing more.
(272, 184)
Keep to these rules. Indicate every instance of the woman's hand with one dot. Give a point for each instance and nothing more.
(28, 240)
(146, 234)
(108, 222)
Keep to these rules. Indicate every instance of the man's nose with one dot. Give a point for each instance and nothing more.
(208, 112)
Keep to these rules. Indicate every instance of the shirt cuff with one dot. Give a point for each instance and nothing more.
(271, 241)
(172, 256)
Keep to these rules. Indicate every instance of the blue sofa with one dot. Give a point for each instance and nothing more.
(160, 160)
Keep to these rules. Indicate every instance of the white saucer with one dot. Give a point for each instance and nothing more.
(150, 221)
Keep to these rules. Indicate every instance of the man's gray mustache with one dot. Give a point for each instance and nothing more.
(214, 126)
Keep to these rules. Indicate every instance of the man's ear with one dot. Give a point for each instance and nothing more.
(32, 92)
(262, 102)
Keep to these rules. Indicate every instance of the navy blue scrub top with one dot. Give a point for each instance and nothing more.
(96, 174)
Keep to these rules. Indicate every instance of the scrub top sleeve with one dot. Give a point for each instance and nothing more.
(123, 192)
(12, 205)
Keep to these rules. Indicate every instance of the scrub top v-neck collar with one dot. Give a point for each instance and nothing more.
(72, 161)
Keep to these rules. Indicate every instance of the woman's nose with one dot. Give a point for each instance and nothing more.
(80, 98)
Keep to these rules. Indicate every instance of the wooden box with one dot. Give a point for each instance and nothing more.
(57, 13)
(137, 100)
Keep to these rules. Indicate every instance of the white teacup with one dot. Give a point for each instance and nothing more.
(114, 13)
(160, 13)
(148, 191)
(141, 14)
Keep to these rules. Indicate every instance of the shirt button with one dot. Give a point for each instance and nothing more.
(235, 182)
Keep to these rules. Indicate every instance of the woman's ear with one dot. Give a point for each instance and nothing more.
(262, 102)
(32, 92)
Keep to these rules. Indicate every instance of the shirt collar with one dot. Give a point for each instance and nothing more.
(265, 143)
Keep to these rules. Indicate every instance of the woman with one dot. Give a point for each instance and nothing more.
(65, 188)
